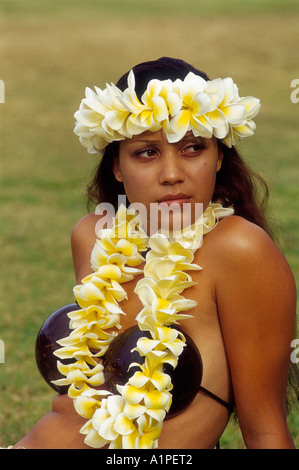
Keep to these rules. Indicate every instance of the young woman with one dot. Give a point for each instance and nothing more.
(222, 304)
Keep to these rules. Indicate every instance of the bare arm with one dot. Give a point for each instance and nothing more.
(59, 429)
(256, 301)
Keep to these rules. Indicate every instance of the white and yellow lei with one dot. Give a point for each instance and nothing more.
(134, 417)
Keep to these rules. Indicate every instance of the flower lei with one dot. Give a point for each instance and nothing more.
(207, 108)
(134, 418)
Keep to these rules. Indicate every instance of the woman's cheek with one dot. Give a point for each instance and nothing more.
(136, 190)
(204, 182)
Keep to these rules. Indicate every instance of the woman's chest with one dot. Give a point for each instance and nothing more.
(197, 321)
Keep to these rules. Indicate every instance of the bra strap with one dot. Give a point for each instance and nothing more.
(215, 397)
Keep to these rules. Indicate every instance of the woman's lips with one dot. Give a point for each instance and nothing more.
(179, 199)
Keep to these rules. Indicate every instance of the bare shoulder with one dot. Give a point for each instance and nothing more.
(237, 241)
(85, 226)
(251, 272)
(240, 233)
(83, 239)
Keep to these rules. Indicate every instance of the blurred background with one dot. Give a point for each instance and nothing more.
(49, 52)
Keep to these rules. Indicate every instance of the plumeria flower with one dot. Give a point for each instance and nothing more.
(128, 228)
(214, 117)
(160, 103)
(178, 250)
(145, 435)
(150, 375)
(165, 338)
(124, 253)
(96, 290)
(82, 340)
(195, 103)
(167, 288)
(247, 128)
(212, 214)
(93, 313)
(116, 117)
(93, 132)
(161, 245)
(155, 109)
(131, 102)
(163, 268)
(80, 377)
(238, 111)
(150, 112)
(151, 399)
(89, 401)
(89, 293)
(108, 423)
(149, 431)
(232, 110)
(150, 318)
(252, 106)
(173, 303)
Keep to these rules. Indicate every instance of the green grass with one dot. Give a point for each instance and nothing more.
(51, 50)
(142, 9)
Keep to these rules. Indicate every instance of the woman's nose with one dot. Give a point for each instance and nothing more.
(172, 170)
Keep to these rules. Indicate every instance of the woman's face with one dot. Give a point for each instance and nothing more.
(168, 176)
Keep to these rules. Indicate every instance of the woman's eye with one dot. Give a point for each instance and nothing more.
(145, 153)
(193, 148)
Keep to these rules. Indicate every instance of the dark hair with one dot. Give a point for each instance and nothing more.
(236, 183)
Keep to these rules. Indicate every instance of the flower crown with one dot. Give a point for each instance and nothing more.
(207, 108)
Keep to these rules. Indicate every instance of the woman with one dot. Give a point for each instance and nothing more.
(174, 150)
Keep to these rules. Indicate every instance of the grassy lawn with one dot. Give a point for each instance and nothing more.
(51, 50)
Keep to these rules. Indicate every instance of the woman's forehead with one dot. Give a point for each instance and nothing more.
(160, 136)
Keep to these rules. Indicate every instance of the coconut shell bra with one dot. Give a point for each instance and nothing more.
(186, 377)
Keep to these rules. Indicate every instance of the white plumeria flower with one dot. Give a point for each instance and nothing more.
(195, 103)
(93, 313)
(90, 126)
(167, 338)
(152, 399)
(110, 424)
(167, 288)
(149, 318)
(89, 401)
(112, 421)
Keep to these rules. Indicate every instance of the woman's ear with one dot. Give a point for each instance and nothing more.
(116, 170)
